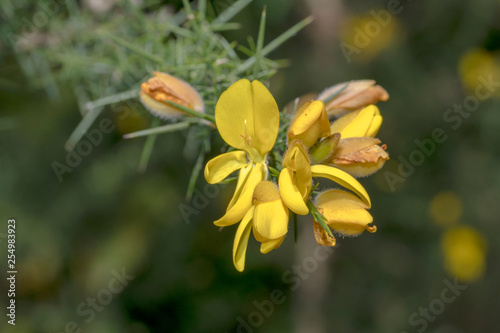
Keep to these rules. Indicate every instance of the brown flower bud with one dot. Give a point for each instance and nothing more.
(163, 87)
(359, 156)
(355, 95)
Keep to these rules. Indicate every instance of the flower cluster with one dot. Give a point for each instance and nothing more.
(268, 188)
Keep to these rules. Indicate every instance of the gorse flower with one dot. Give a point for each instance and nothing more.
(164, 87)
(248, 119)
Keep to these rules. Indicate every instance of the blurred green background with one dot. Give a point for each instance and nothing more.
(437, 224)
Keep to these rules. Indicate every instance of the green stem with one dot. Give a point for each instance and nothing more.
(194, 175)
(158, 130)
(133, 48)
(319, 217)
(276, 43)
(148, 148)
(191, 112)
(230, 12)
(260, 42)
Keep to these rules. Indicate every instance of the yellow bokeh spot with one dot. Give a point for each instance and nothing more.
(368, 34)
(446, 208)
(476, 64)
(464, 251)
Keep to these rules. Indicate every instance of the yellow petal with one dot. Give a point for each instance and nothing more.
(268, 246)
(342, 178)
(241, 241)
(375, 126)
(358, 123)
(297, 160)
(290, 193)
(220, 167)
(351, 222)
(309, 123)
(270, 219)
(345, 213)
(338, 125)
(247, 117)
(339, 199)
(244, 200)
(242, 179)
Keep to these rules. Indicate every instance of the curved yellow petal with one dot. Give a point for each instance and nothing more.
(351, 222)
(338, 125)
(309, 123)
(342, 178)
(360, 123)
(270, 219)
(375, 126)
(218, 168)
(243, 200)
(290, 194)
(297, 160)
(345, 212)
(339, 199)
(241, 241)
(242, 179)
(247, 117)
(268, 246)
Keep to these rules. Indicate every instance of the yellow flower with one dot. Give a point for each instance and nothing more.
(268, 218)
(163, 87)
(355, 95)
(357, 152)
(476, 65)
(365, 122)
(309, 123)
(345, 213)
(364, 37)
(446, 208)
(247, 118)
(465, 251)
(307, 127)
(295, 180)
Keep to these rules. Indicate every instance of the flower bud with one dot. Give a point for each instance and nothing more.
(359, 157)
(163, 87)
(294, 105)
(355, 95)
(295, 180)
(345, 212)
(363, 123)
(309, 123)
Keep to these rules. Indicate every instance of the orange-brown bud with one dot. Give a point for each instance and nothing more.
(355, 95)
(164, 87)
